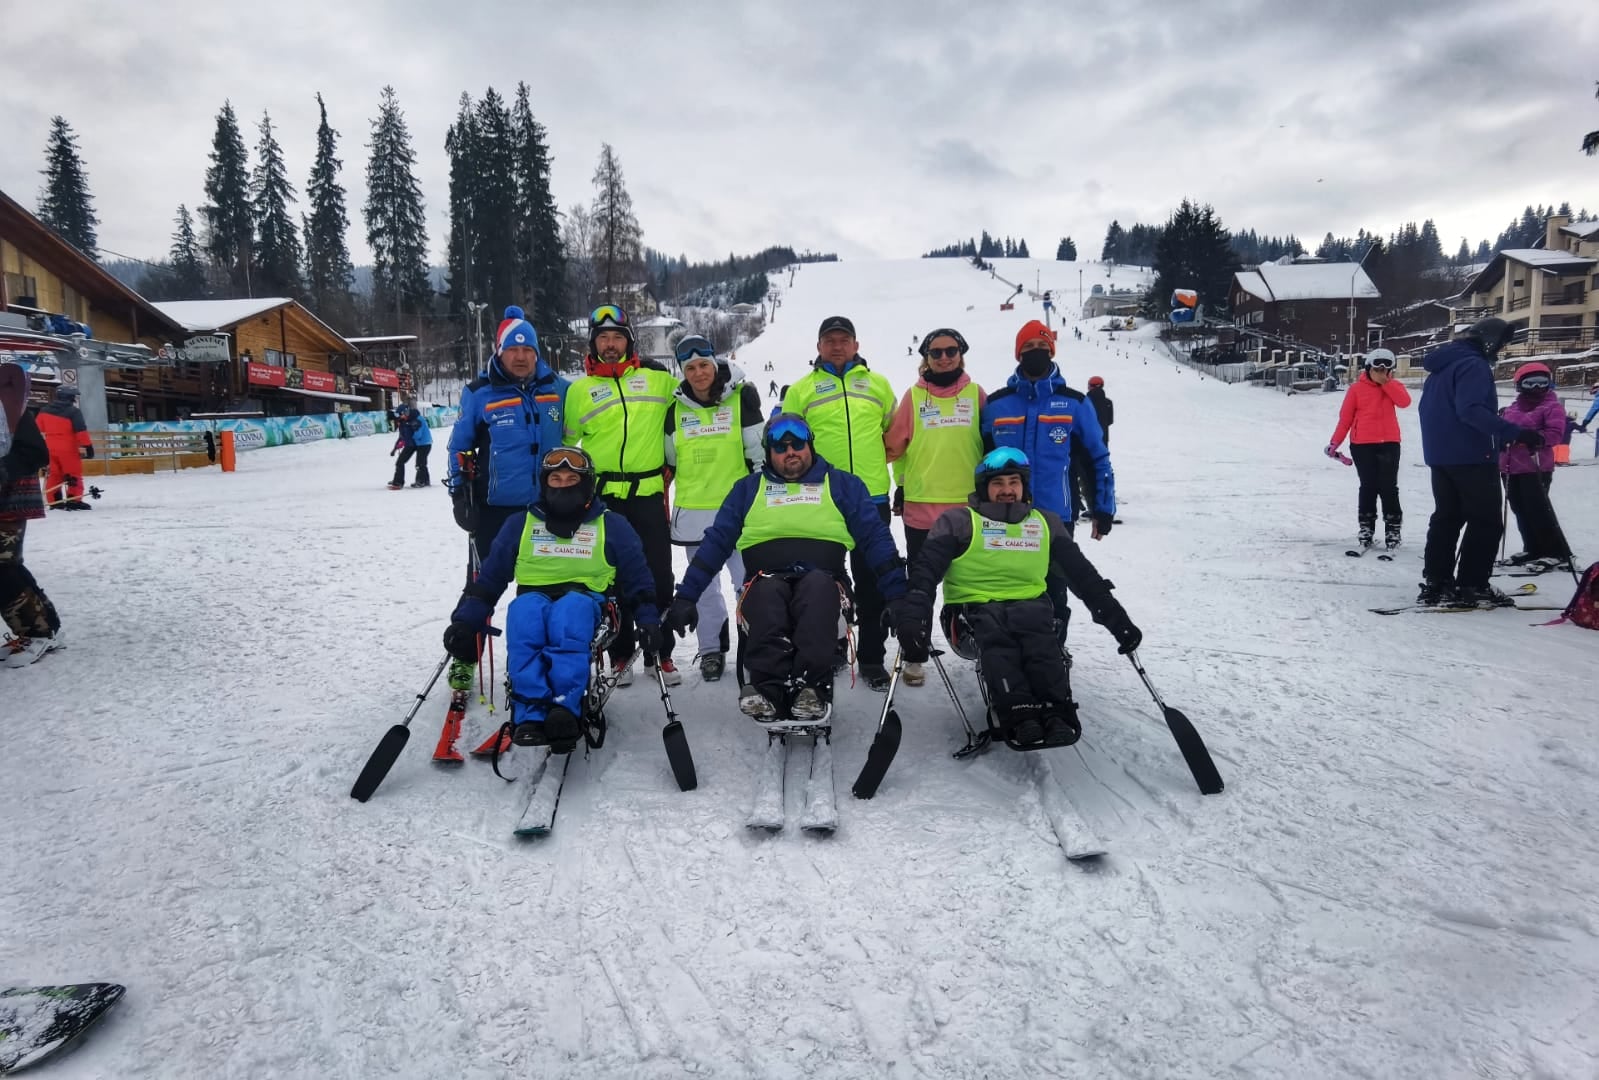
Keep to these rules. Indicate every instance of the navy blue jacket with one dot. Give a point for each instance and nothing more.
(634, 588)
(1046, 420)
(1459, 410)
(861, 517)
(510, 425)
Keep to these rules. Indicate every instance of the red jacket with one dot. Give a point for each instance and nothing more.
(1368, 414)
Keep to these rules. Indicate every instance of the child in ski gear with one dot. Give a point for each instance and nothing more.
(934, 442)
(1369, 419)
(993, 557)
(566, 553)
(617, 412)
(1528, 470)
(793, 522)
(713, 440)
(1460, 430)
(33, 627)
(849, 406)
(415, 438)
(65, 432)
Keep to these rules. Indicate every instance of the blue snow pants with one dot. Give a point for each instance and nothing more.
(547, 645)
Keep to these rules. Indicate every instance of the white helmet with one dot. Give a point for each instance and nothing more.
(1381, 358)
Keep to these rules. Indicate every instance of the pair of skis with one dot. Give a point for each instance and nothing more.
(769, 812)
(1459, 609)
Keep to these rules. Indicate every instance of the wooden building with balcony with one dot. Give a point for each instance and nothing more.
(1549, 293)
(1323, 306)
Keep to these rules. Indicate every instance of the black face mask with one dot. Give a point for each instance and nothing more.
(565, 506)
(1036, 362)
(942, 378)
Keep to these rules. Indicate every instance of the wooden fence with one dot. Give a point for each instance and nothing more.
(119, 452)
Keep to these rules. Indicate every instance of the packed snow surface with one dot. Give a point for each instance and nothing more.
(1399, 880)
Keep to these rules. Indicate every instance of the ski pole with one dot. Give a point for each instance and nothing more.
(975, 743)
(1504, 517)
(885, 744)
(393, 741)
(677, 751)
(1188, 740)
(1565, 545)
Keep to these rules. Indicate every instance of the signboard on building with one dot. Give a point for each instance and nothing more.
(265, 374)
(377, 376)
(318, 380)
(203, 349)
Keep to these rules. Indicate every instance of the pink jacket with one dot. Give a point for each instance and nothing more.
(1368, 414)
(898, 438)
(1540, 411)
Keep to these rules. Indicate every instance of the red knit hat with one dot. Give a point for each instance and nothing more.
(1031, 330)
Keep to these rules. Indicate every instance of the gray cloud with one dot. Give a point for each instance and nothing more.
(868, 129)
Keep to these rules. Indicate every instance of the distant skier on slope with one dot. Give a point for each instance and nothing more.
(1369, 418)
(415, 438)
(65, 432)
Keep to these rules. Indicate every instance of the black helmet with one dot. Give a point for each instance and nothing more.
(1006, 461)
(1490, 334)
(611, 317)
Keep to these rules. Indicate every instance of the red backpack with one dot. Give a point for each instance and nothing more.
(1584, 607)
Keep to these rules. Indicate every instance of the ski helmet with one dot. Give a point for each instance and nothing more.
(1381, 359)
(610, 317)
(66, 393)
(569, 459)
(787, 427)
(1490, 334)
(1006, 461)
(1534, 376)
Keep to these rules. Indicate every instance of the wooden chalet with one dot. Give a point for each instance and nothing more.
(1319, 305)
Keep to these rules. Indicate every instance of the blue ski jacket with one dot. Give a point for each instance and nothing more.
(1049, 422)
(1459, 410)
(510, 425)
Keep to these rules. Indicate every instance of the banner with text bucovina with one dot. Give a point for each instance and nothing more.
(357, 424)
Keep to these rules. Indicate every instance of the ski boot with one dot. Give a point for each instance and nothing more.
(753, 703)
(809, 705)
(1060, 724)
(1434, 593)
(711, 666)
(561, 729)
(913, 674)
(1368, 532)
(461, 675)
(1022, 721)
(669, 671)
(1481, 596)
(876, 676)
(1391, 529)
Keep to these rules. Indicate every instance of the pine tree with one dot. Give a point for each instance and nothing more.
(1108, 252)
(1194, 252)
(230, 225)
(1021, 250)
(328, 270)
(396, 227)
(277, 244)
(1590, 141)
(540, 256)
(617, 236)
(1463, 256)
(1483, 252)
(461, 143)
(1066, 251)
(188, 277)
(494, 191)
(65, 204)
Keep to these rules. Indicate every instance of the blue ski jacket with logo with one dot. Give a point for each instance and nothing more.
(1049, 422)
(510, 425)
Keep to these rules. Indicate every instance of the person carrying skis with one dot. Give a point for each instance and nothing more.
(510, 415)
(713, 440)
(1460, 426)
(67, 435)
(617, 412)
(793, 523)
(1368, 417)
(849, 407)
(1528, 472)
(32, 626)
(415, 438)
(993, 557)
(934, 442)
(567, 553)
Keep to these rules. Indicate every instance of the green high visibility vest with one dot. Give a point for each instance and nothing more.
(709, 443)
(945, 448)
(786, 511)
(1003, 561)
(619, 423)
(546, 559)
(848, 414)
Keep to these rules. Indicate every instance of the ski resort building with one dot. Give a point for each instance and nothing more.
(1324, 306)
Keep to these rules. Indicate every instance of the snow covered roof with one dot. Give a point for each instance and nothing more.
(381, 339)
(1317, 281)
(1544, 258)
(1537, 258)
(1251, 283)
(1587, 230)
(201, 315)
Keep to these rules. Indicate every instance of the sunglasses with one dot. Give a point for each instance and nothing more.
(952, 352)
(565, 457)
(789, 444)
(786, 430)
(607, 315)
(1002, 458)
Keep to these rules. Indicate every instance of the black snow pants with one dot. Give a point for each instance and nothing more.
(793, 624)
(421, 453)
(27, 611)
(1022, 660)
(647, 515)
(490, 519)
(1535, 517)
(1377, 464)
(1464, 496)
(870, 636)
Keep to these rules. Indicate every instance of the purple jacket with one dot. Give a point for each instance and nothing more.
(1541, 412)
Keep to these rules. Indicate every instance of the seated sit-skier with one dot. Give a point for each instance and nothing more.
(567, 553)
(793, 522)
(995, 557)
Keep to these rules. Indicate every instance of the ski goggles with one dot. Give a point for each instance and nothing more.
(788, 433)
(1006, 457)
(566, 457)
(1535, 382)
(690, 347)
(1381, 363)
(607, 315)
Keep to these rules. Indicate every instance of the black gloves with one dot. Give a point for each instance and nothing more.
(915, 635)
(1529, 438)
(898, 508)
(1103, 522)
(653, 641)
(460, 641)
(1128, 637)
(88, 452)
(464, 507)
(681, 617)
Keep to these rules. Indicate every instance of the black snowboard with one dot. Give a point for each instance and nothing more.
(37, 1022)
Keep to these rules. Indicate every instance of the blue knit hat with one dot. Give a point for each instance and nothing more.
(515, 330)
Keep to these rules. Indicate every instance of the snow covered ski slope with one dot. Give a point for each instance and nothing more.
(1399, 880)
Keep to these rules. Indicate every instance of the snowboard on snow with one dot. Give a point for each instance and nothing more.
(38, 1022)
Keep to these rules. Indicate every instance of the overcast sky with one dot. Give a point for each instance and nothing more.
(869, 129)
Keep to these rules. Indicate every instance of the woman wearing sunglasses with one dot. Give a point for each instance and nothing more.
(1369, 418)
(1528, 471)
(934, 442)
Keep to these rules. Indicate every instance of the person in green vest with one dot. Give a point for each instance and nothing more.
(567, 554)
(934, 442)
(849, 406)
(793, 523)
(713, 440)
(616, 412)
(993, 557)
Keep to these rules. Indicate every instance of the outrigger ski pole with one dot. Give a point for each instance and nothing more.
(1188, 740)
(975, 743)
(388, 750)
(677, 751)
(885, 744)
